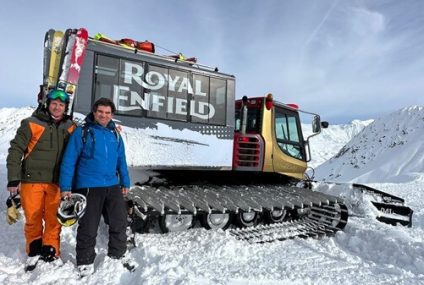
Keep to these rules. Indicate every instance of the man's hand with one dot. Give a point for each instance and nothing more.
(125, 191)
(14, 189)
(66, 195)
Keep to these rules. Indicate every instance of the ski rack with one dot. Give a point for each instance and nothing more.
(146, 53)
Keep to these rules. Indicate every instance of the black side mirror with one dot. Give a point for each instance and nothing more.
(316, 124)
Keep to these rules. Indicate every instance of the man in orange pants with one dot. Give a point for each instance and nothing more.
(33, 165)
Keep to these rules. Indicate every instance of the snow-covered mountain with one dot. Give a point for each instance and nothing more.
(390, 149)
(10, 119)
(325, 145)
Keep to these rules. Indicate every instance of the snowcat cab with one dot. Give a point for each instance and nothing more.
(272, 131)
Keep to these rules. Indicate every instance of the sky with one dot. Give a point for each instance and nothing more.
(345, 60)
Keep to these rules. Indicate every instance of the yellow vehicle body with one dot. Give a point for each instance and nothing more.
(275, 160)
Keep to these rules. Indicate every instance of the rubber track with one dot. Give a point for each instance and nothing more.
(325, 214)
(319, 222)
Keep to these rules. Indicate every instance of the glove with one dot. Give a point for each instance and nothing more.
(12, 213)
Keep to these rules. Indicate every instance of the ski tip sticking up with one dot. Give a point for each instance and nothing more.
(53, 44)
(56, 51)
(69, 81)
(48, 41)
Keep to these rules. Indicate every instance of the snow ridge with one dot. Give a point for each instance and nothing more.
(332, 139)
(388, 150)
(10, 119)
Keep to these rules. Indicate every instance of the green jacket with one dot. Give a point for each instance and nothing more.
(36, 151)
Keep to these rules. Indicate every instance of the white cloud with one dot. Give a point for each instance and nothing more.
(366, 22)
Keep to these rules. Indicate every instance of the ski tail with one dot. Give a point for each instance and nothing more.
(48, 41)
(75, 64)
(66, 36)
(77, 56)
(55, 55)
(66, 59)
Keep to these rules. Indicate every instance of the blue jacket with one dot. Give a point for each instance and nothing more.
(97, 160)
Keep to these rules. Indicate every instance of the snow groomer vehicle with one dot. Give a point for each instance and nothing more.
(197, 155)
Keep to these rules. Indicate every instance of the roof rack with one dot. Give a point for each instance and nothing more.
(173, 58)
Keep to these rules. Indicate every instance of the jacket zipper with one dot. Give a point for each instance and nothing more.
(51, 137)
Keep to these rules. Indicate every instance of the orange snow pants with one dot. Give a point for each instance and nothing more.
(40, 202)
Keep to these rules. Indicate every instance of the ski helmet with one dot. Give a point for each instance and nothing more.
(71, 209)
(58, 94)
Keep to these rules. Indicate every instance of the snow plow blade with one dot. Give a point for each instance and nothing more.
(392, 208)
(386, 208)
(394, 214)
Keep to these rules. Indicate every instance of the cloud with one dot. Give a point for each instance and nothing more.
(365, 22)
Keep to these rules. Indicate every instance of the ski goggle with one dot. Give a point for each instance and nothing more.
(58, 94)
(66, 222)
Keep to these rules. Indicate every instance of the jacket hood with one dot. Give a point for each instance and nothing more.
(89, 120)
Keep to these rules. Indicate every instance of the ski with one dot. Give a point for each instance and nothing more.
(77, 56)
(48, 42)
(76, 61)
(55, 58)
(66, 36)
(72, 61)
(66, 59)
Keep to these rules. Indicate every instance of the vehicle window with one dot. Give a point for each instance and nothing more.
(287, 134)
(177, 95)
(106, 76)
(199, 107)
(155, 77)
(129, 95)
(252, 123)
(217, 100)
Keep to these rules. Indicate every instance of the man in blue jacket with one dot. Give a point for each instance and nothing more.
(94, 165)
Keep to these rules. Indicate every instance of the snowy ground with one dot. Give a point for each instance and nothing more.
(366, 252)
